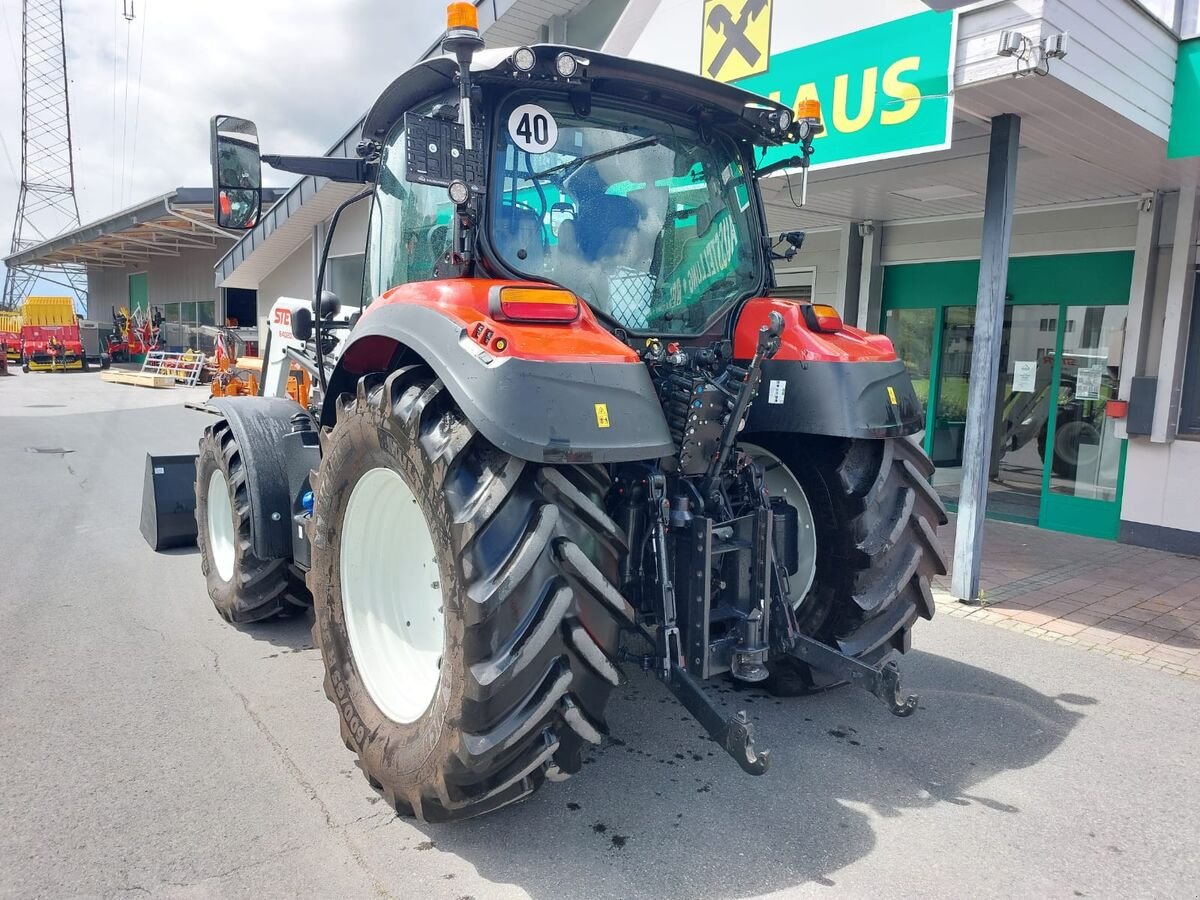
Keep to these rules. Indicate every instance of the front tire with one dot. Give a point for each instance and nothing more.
(521, 558)
(875, 517)
(243, 587)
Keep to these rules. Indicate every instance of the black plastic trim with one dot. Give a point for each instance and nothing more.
(537, 411)
(840, 399)
(1159, 537)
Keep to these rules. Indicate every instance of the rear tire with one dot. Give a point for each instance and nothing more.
(526, 560)
(876, 517)
(243, 587)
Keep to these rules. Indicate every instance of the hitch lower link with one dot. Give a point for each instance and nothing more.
(883, 682)
(734, 735)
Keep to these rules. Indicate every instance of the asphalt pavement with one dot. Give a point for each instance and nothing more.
(147, 748)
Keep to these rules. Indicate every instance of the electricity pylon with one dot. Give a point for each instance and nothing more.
(46, 206)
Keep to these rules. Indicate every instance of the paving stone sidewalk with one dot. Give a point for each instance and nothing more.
(1139, 604)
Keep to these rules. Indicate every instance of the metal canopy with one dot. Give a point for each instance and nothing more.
(1074, 150)
(164, 226)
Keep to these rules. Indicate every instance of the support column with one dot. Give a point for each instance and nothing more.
(1141, 297)
(1178, 313)
(985, 355)
(870, 282)
(849, 269)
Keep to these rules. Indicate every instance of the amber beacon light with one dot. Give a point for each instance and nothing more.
(462, 16)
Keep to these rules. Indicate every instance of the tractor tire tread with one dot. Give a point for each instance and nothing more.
(534, 680)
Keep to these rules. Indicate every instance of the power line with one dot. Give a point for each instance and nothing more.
(112, 189)
(125, 103)
(137, 108)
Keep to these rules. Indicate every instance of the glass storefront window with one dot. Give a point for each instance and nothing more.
(911, 331)
(950, 416)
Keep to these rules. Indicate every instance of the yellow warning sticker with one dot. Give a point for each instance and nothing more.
(736, 40)
(892, 395)
(602, 415)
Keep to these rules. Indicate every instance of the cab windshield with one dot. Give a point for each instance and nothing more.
(649, 223)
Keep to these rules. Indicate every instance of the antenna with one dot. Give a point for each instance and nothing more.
(46, 205)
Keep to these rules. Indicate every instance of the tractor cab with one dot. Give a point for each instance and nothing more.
(628, 185)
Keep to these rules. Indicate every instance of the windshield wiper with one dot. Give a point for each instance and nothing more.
(600, 154)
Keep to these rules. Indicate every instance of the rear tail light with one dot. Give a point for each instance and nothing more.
(523, 304)
(820, 317)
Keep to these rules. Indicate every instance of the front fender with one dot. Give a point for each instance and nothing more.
(538, 410)
(274, 458)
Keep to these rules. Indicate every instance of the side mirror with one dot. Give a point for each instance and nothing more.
(237, 172)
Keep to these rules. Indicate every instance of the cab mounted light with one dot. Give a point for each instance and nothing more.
(821, 317)
(530, 304)
(566, 65)
(523, 59)
(459, 192)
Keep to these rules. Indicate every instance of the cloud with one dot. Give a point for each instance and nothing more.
(304, 71)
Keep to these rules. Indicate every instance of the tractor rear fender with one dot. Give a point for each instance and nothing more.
(847, 383)
(552, 393)
(277, 457)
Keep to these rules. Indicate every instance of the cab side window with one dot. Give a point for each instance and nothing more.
(410, 224)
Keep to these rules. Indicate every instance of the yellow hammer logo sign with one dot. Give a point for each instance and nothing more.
(737, 38)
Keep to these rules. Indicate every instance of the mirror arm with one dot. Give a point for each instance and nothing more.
(792, 162)
(335, 168)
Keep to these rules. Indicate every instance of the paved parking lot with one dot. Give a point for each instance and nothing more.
(148, 748)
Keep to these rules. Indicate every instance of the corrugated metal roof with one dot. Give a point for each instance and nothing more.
(162, 226)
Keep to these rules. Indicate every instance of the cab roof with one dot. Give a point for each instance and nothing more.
(726, 106)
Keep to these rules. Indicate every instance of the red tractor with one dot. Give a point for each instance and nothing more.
(570, 431)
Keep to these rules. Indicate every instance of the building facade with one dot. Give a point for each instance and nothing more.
(1098, 416)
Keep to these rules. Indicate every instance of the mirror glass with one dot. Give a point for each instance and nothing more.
(237, 172)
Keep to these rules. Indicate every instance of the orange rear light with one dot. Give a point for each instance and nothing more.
(462, 15)
(538, 304)
(822, 317)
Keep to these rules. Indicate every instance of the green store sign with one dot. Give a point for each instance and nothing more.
(1184, 138)
(884, 90)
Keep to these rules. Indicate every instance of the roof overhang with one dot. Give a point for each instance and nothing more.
(167, 225)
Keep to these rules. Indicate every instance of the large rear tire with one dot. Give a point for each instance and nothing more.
(243, 587)
(459, 708)
(875, 516)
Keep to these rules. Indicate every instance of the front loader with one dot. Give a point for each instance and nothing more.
(569, 430)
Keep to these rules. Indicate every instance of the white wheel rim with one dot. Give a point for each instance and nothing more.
(782, 483)
(220, 525)
(392, 596)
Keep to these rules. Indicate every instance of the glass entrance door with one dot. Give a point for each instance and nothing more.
(1023, 400)
(1084, 458)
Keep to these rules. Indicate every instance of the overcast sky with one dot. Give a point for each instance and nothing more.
(304, 70)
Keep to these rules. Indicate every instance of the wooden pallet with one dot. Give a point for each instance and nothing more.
(142, 379)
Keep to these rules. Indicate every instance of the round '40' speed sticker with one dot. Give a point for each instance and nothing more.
(532, 128)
